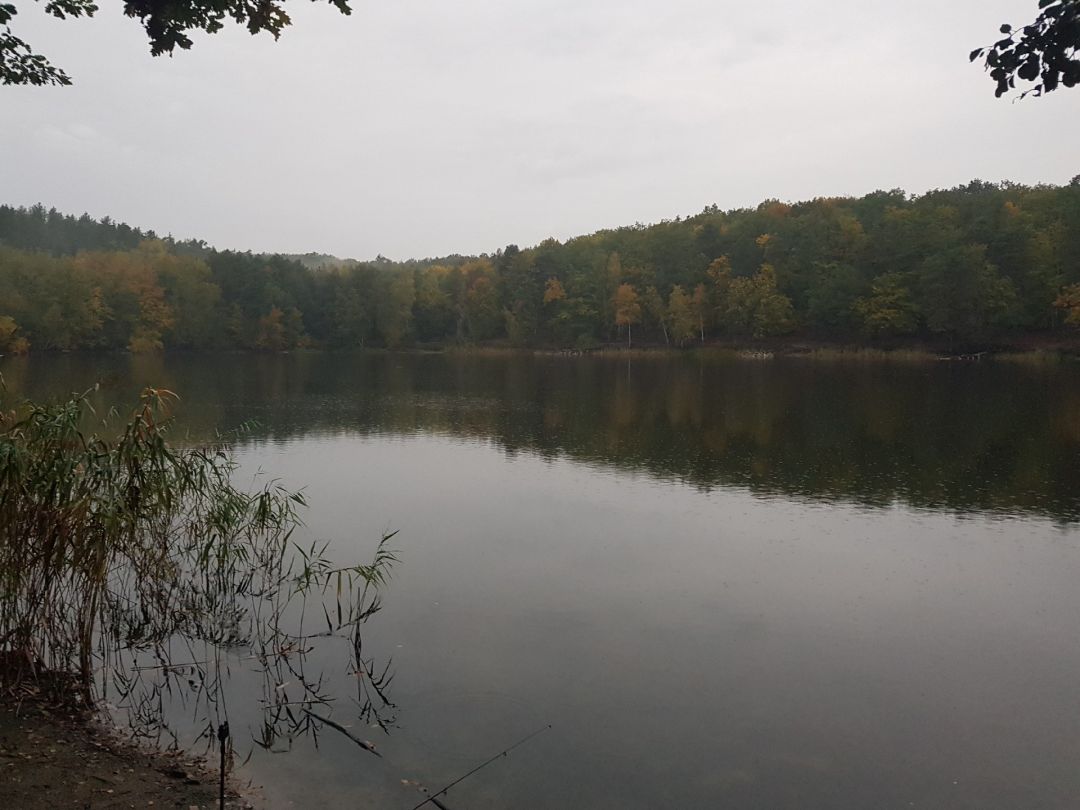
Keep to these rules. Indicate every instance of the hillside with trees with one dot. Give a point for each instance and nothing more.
(982, 264)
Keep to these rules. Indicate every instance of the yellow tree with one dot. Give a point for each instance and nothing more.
(555, 310)
(763, 242)
(8, 341)
(627, 309)
(272, 331)
(754, 305)
(1068, 301)
(774, 313)
(155, 316)
(700, 305)
(553, 291)
(128, 301)
(7, 330)
(681, 315)
(889, 309)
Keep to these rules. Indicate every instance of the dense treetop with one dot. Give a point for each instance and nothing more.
(960, 267)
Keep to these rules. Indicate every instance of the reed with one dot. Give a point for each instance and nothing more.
(115, 545)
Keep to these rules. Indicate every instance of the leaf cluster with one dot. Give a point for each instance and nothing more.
(18, 63)
(1043, 53)
(167, 24)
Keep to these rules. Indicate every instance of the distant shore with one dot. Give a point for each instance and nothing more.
(1024, 349)
(767, 351)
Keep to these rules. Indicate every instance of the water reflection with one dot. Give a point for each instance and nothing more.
(705, 576)
(966, 438)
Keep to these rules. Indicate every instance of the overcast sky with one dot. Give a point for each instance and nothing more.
(417, 129)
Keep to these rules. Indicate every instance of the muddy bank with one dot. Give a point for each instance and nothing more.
(58, 758)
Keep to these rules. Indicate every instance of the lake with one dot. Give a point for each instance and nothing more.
(723, 582)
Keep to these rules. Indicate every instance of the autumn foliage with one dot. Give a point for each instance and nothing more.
(976, 263)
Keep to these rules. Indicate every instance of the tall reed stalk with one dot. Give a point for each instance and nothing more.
(119, 542)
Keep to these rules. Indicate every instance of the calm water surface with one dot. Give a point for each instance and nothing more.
(738, 584)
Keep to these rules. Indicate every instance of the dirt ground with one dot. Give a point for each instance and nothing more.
(52, 758)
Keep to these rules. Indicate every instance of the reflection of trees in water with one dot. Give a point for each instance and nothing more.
(972, 437)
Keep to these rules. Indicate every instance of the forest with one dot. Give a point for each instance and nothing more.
(979, 265)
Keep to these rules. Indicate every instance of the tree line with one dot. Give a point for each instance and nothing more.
(973, 264)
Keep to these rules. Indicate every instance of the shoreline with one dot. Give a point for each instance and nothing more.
(52, 755)
(1043, 348)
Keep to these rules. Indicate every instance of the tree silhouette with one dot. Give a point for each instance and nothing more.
(1043, 53)
(167, 23)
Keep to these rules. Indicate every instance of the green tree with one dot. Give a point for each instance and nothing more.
(656, 310)
(393, 312)
(962, 295)
(719, 272)
(516, 330)
(522, 291)
(756, 307)
(831, 300)
(681, 316)
(194, 300)
(889, 310)
(294, 328)
(75, 315)
(483, 315)
(351, 316)
(610, 279)
(558, 311)
(1043, 274)
(435, 318)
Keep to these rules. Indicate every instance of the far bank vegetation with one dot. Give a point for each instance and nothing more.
(974, 265)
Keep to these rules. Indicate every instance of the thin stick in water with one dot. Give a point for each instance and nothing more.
(223, 737)
(365, 745)
(483, 764)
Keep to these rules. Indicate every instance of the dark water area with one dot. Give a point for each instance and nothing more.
(966, 437)
(724, 583)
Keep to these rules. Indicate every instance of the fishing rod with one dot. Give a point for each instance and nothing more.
(433, 798)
